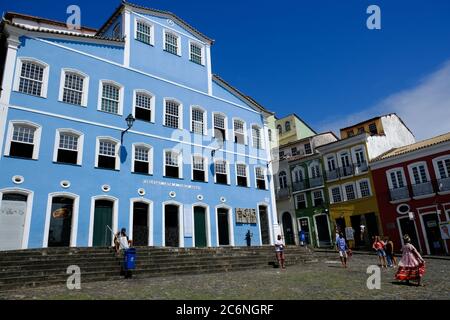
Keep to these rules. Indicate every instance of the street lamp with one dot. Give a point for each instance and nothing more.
(130, 121)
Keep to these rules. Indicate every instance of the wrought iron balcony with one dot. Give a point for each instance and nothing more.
(299, 186)
(361, 167)
(316, 182)
(283, 193)
(346, 171)
(422, 189)
(444, 184)
(399, 194)
(333, 174)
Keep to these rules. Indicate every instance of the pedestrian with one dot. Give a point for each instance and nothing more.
(411, 265)
(248, 238)
(302, 238)
(121, 241)
(378, 246)
(341, 247)
(279, 250)
(390, 255)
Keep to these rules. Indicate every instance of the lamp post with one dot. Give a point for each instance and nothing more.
(130, 121)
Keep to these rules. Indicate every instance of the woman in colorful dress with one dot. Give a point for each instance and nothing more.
(412, 265)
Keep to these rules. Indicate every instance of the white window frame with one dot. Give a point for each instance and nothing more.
(225, 124)
(205, 119)
(296, 169)
(261, 135)
(36, 137)
(331, 155)
(330, 191)
(279, 180)
(205, 165)
(339, 156)
(415, 164)
(150, 156)
(353, 154)
(436, 167)
(296, 202)
(389, 180)
(152, 31)
(244, 128)
(227, 168)
(45, 75)
(247, 172)
(80, 144)
(358, 189)
(85, 93)
(180, 163)
(314, 199)
(202, 48)
(97, 150)
(178, 41)
(264, 170)
(310, 171)
(344, 192)
(152, 103)
(180, 112)
(100, 96)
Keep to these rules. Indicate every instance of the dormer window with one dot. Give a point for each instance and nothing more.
(373, 129)
(287, 126)
(172, 43)
(117, 32)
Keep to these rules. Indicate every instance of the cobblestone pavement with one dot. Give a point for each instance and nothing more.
(322, 279)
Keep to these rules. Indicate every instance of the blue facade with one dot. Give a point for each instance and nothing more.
(135, 66)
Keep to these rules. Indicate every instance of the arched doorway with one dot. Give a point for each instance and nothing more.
(103, 223)
(13, 212)
(288, 229)
(61, 221)
(141, 224)
(171, 225)
(264, 224)
(223, 227)
(200, 227)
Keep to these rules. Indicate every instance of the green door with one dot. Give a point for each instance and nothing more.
(102, 218)
(200, 227)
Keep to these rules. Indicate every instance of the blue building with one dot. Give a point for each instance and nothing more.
(126, 126)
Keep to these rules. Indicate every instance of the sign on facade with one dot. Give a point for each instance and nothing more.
(246, 215)
(349, 233)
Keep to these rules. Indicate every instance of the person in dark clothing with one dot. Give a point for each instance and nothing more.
(390, 255)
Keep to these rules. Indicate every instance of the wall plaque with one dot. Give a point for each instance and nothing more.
(246, 215)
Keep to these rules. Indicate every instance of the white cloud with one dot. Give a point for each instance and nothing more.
(425, 108)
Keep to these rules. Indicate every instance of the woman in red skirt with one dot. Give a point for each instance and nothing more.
(412, 265)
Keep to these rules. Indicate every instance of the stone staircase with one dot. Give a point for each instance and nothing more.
(44, 267)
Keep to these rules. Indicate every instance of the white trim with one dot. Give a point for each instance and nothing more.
(133, 131)
(202, 47)
(3, 117)
(180, 112)
(75, 213)
(180, 163)
(97, 150)
(146, 74)
(205, 166)
(177, 35)
(149, 218)
(115, 218)
(424, 231)
(358, 188)
(227, 168)
(152, 103)
(207, 221)
(316, 230)
(344, 192)
(8, 72)
(45, 76)
(150, 156)
(340, 153)
(36, 139)
(267, 205)
(209, 68)
(389, 180)
(401, 231)
(152, 29)
(225, 124)
(180, 222)
(436, 168)
(244, 124)
(416, 164)
(28, 214)
(230, 223)
(100, 96)
(126, 27)
(313, 200)
(354, 160)
(299, 227)
(80, 144)
(246, 172)
(261, 135)
(330, 193)
(306, 200)
(314, 163)
(205, 119)
(298, 167)
(85, 93)
(265, 177)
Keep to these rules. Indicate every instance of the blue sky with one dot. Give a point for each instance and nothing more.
(316, 58)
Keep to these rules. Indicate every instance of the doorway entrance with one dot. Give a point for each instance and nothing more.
(408, 227)
(433, 234)
(103, 218)
(140, 224)
(288, 229)
(264, 224)
(304, 226)
(172, 225)
(200, 227)
(323, 230)
(223, 226)
(12, 220)
(60, 229)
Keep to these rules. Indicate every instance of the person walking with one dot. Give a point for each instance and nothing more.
(279, 250)
(390, 255)
(378, 246)
(411, 265)
(341, 247)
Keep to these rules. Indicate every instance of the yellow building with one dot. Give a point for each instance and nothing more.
(288, 129)
(353, 204)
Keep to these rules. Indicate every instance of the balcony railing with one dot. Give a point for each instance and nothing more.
(399, 194)
(422, 189)
(283, 193)
(361, 167)
(316, 182)
(299, 186)
(346, 171)
(333, 174)
(444, 184)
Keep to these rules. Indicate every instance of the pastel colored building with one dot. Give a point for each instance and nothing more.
(126, 126)
(413, 194)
